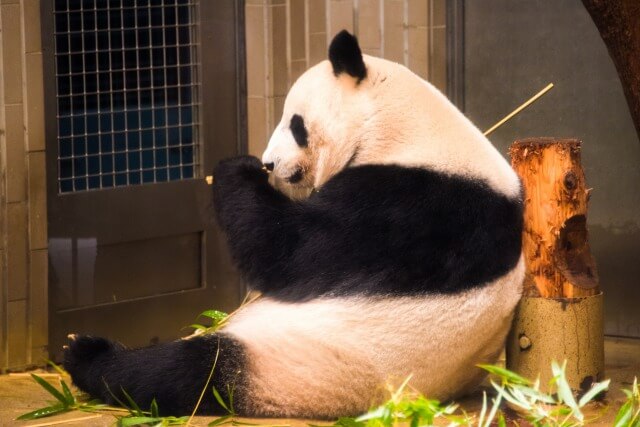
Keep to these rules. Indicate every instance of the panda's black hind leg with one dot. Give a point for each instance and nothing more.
(174, 373)
(85, 357)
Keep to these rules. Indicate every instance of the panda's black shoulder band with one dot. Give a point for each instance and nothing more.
(346, 57)
(370, 230)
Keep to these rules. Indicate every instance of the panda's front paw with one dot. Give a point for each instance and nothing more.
(236, 169)
(86, 358)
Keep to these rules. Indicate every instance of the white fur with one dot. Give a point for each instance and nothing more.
(331, 357)
(391, 117)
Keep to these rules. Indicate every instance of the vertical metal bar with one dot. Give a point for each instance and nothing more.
(139, 113)
(241, 86)
(84, 96)
(98, 107)
(124, 87)
(179, 87)
(112, 135)
(71, 98)
(194, 76)
(455, 52)
(194, 83)
(153, 95)
(166, 92)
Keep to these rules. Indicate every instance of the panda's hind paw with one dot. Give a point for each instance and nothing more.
(86, 347)
(83, 353)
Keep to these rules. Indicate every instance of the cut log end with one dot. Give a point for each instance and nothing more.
(555, 239)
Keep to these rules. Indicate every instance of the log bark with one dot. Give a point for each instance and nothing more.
(555, 239)
(618, 22)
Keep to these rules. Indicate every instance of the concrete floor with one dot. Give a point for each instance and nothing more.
(20, 394)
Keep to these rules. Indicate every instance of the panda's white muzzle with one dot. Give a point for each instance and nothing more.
(283, 157)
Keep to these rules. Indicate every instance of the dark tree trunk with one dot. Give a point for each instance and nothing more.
(619, 24)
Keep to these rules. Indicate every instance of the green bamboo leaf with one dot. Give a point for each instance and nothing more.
(220, 421)
(376, 413)
(595, 390)
(118, 401)
(564, 390)
(214, 315)
(230, 391)
(483, 411)
(132, 404)
(415, 420)
(220, 400)
(623, 417)
(137, 421)
(197, 327)
(71, 400)
(154, 408)
(57, 368)
(494, 410)
(348, 422)
(507, 396)
(534, 394)
(562, 411)
(501, 421)
(44, 412)
(505, 374)
(51, 389)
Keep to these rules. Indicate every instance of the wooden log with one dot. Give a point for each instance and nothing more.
(555, 239)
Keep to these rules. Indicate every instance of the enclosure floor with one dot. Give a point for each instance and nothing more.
(20, 394)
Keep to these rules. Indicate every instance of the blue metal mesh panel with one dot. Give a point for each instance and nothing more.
(127, 92)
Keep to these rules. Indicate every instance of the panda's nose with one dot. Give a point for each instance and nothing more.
(269, 166)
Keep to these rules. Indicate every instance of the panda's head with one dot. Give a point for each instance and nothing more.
(315, 137)
(356, 109)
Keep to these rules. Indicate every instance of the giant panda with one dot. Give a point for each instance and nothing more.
(404, 260)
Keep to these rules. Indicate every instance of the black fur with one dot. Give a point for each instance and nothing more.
(346, 57)
(174, 373)
(299, 131)
(369, 230)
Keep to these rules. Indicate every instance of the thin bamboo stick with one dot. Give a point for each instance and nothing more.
(66, 421)
(531, 100)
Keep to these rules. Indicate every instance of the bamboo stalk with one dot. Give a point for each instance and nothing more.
(67, 421)
(531, 100)
(28, 374)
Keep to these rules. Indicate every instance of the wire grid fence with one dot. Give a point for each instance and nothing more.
(127, 77)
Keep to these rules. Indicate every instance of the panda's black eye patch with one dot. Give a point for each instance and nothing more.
(298, 130)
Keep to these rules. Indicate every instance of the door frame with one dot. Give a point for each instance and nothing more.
(220, 103)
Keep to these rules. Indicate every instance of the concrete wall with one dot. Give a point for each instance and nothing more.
(285, 37)
(530, 44)
(23, 219)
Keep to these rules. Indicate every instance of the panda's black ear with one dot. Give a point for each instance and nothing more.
(346, 57)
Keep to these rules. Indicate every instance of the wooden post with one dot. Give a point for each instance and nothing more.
(555, 241)
(617, 21)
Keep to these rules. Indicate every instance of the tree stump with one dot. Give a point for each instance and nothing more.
(555, 239)
(619, 24)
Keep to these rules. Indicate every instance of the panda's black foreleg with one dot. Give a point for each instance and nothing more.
(260, 223)
(174, 374)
